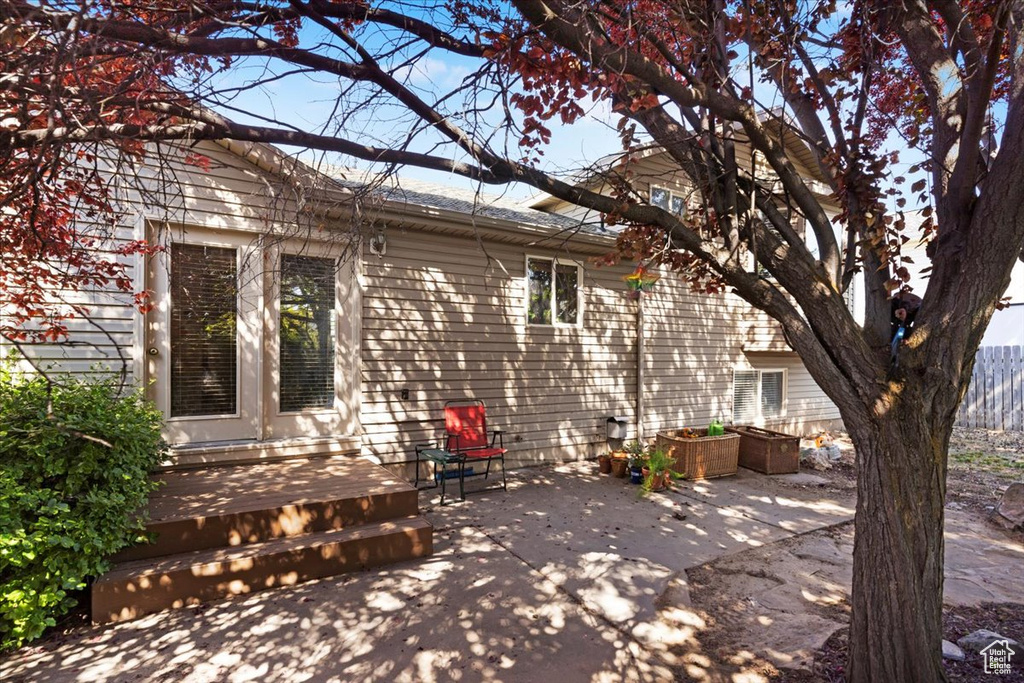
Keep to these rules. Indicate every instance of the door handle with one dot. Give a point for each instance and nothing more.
(153, 351)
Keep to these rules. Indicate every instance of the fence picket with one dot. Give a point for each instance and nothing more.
(989, 385)
(978, 381)
(1016, 394)
(997, 386)
(995, 398)
(972, 403)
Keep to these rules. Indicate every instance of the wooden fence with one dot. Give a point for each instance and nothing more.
(995, 399)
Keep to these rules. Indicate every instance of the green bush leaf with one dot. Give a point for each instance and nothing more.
(66, 503)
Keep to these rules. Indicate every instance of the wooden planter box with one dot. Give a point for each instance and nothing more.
(766, 451)
(705, 457)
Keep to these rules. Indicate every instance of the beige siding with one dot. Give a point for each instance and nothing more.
(807, 408)
(445, 320)
(233, 195)
(693, 343)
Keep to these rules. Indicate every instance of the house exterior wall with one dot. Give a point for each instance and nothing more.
(445, 319)
(694, 343)
(443, 316)
(443, 322)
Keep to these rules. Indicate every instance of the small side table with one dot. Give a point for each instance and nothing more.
(441, 458)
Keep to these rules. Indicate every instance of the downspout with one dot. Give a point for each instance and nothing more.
(640, 366)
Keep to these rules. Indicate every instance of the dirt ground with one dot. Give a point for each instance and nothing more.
(957, 622)
(779, 612)
(982, 464)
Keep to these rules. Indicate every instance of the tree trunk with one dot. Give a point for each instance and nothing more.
(896, 627)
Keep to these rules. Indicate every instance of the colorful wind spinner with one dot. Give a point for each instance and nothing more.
(640, 280)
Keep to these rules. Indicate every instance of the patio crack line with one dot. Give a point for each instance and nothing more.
(791, 537)
(749, 516)
(577, 601)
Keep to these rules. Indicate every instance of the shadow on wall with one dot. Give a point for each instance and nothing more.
(441, 322)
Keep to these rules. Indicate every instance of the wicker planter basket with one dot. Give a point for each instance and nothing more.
(705, 457)
(766, 451)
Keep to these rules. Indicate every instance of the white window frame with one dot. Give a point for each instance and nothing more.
(671, 195)
(555, 261)
(759, 418)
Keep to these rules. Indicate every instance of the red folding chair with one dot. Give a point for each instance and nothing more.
(465, 426)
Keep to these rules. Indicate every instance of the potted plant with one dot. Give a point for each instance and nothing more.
(604, 463)
(637, 461)
(658, 473)
(620, 463)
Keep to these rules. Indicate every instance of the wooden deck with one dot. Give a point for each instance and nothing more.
(227, 530)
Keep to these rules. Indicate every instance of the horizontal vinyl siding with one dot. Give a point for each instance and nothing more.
(807, 407)
(445, 319)
(233, 195)
(692, 341)
(101, 343)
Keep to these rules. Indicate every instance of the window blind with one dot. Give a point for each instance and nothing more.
(744, 396)
(307, 333)
(771, 394)
(203, 327)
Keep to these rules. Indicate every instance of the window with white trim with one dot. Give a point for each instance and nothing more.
(553, 292)
(758, 395)
(673, 202)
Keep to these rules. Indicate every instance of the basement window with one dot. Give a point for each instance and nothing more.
(758, 395)
(553, 293)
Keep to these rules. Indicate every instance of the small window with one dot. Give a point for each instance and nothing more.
(660, 197)
(668, 200)
(553, 292)
(758, 395)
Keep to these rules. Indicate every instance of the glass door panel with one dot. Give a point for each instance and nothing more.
(307, 334)
(204, 330)
(203, 337)
(308, 343)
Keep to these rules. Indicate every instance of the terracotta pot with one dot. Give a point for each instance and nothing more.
(658, 483)
(604, 464)
(620, 466)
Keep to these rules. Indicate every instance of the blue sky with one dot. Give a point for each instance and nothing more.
(308, 101)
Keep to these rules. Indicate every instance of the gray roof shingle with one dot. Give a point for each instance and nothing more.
(470, 203)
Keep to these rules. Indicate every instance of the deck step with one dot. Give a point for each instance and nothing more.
(232, 506)
(133, 589)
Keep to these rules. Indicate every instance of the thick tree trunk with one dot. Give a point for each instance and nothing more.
(896, 628)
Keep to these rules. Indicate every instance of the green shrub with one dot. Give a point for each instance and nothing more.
(67, 501)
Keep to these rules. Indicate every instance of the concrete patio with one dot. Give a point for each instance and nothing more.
(568, 576)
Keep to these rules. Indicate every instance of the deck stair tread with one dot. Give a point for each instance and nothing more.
(214, 556)
(225, 531)
(192, 494)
